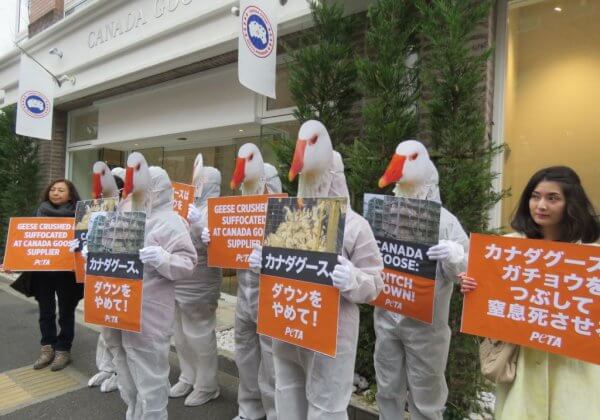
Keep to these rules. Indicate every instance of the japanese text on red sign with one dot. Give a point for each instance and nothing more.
(544, 305)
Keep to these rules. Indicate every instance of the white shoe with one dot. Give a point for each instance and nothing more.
(98, 378)
(110, 384)
(180, 389)
(197, 398)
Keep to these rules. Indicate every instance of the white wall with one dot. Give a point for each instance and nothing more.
(213, 99)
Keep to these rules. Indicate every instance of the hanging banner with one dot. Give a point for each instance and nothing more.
(236, 223)
(39, 244)
(183, 197)
(36, 100)
(114, 272)
(297, 302)
(257, 46)
(85, 211)
(539, 294)
(405, 228)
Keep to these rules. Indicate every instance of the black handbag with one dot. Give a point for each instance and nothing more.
(24, 284)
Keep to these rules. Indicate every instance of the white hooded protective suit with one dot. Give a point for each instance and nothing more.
(253, 352)
(104, 358)
(411, 355)
(142, 359)
(196, 300)
(311, 385)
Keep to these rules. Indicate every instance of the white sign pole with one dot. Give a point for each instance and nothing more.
(257, 46)
(36, 100)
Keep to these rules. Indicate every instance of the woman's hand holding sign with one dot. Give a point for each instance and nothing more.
(467, 284)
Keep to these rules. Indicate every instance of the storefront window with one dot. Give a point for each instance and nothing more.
(153, 155)
(22, 17)
(81, 170)
(274, 133)
(282, 90)
(552, 93)
(83, 125)
(71, 6)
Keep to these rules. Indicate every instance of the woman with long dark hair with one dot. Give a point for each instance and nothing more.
(58, 200)
(553, 207)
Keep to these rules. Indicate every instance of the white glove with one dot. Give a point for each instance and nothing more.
(84, 252)
(73, 245)
(205, 236)
(153, 255)
(343, 275)
(194, 215)
(446, 250)
(255, 258)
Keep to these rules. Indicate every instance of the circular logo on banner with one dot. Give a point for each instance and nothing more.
(257, 32)
(35, 104)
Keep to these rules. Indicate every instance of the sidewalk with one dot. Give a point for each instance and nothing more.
(358, 409)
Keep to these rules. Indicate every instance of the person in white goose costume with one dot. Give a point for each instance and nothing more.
(410, 356)
(253, 353)
(142, 359)
(310, 385)
(196, 301)
(105, 183)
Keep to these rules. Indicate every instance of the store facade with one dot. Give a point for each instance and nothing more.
(546, 93)
(160, 77)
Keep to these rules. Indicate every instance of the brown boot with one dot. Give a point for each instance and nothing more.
(62, 359)
(46, 357)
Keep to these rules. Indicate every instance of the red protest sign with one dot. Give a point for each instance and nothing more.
(113, 291)
(407, 294)
(183, 197)
(298, 312)
(39, 244)
(236, 223)
(296, 300)
(539, 294)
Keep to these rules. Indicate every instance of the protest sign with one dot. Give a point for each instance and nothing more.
(183, 197)
(86, 210)
(236, 223)
(39, 244)
(114, 272)
(539, 294)
(297, 302)
(405, 228)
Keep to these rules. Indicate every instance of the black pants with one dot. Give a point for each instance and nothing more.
(49, 286)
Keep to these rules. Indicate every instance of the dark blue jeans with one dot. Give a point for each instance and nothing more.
(48, 287)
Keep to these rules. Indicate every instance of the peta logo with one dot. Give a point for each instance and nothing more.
(35, 104)
(258, 32)
(547, 339)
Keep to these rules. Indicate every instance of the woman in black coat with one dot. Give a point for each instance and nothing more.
(59, 200)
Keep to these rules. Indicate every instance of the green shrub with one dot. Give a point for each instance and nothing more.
(19, 173)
